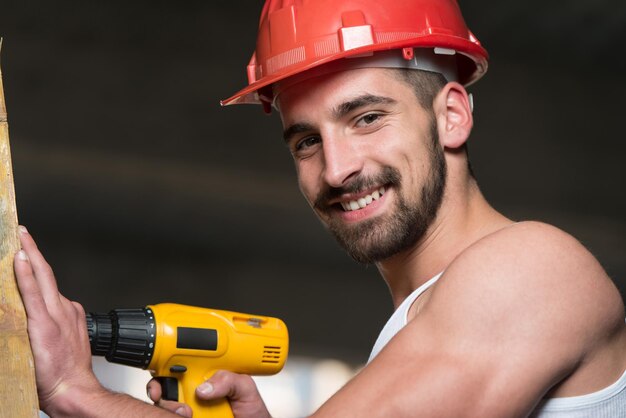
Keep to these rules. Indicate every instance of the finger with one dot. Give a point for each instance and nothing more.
(154, 390)
(154, 393)
(225, 384)
(240, 390)
(178, 408)
(29, 288)
(41, 269)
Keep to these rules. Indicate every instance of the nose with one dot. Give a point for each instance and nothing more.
(341, 160)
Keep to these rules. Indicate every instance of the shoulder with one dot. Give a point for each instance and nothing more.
(534, 246)
(534, 253)
(538, 274)
(537, 254)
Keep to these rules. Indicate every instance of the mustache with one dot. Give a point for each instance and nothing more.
(388, 175)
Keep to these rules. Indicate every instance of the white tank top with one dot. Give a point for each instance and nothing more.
(609, 402)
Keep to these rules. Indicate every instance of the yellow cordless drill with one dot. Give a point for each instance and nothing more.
(183, 346)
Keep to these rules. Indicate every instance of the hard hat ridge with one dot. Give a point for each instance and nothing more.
(296, 36)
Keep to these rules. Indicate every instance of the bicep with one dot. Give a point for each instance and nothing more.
(510, 318)
(430, 372)
(472, 351)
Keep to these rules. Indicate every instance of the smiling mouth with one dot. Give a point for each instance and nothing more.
(364, 201)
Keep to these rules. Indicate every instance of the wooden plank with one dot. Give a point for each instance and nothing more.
(18, 391)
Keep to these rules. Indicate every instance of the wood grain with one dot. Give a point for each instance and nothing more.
(18, 391)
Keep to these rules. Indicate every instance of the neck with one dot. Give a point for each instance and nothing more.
(460, 222)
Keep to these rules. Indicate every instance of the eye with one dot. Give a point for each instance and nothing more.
(306, 143)
(368, 119)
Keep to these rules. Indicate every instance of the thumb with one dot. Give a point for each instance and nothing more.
(225, 384)
(239, 389)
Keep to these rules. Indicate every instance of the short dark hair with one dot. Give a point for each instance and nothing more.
(426, 84)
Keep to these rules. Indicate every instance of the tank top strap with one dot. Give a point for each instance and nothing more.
(399, 318)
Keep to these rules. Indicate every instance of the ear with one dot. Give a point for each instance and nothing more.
(454, 115)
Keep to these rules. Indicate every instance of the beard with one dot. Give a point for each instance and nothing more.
(377, 239)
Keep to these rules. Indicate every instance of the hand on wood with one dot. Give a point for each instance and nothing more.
(57, 331)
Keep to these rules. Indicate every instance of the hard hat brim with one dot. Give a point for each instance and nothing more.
(472, 69)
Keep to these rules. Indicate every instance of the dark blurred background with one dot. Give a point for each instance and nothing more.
(140, 189)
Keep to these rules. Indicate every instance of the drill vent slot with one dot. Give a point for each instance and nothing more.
(271, 354)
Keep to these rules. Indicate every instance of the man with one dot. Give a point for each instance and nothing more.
(493, 318)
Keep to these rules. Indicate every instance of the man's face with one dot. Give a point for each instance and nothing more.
(368, 159)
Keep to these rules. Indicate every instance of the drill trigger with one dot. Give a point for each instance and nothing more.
(169, 388)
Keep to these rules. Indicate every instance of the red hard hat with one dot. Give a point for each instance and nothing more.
(298, 35)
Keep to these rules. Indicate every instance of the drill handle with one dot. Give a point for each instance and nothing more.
(184, 390)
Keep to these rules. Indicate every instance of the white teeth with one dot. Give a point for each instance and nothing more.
(362, 202)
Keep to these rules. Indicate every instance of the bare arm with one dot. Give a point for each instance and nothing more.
(511, 318)
(66, 384)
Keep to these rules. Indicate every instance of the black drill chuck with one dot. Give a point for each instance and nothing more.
(123, 336)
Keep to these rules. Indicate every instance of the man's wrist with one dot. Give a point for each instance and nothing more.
(76, 400)
(95, 401)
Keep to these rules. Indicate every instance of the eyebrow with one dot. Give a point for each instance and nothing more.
(337, 113)
(360, 101)
(295, 129)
